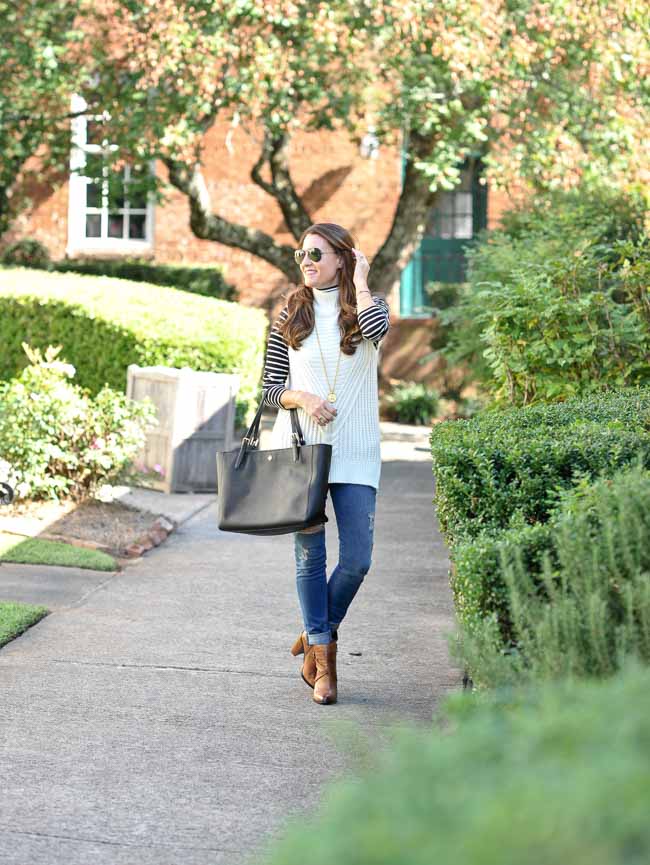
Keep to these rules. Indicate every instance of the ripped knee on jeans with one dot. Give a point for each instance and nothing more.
(312, 529)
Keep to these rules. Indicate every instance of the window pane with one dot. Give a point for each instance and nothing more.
(93, 195)
(94, 169)
(93, 225)
(137, 199)
(138, 180)
(445, 225)
(116, 190)
(136, 226)
(95, 132)
(441, 219)
(115, 225)
(452, 216)
(463, 220)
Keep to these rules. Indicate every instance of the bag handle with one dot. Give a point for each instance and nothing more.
(251, 439)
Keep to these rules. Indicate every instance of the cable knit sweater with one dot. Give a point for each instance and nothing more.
(354, 432)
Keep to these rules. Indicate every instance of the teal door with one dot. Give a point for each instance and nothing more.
(452, 224)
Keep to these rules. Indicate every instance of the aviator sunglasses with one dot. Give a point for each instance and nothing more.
(314, 254)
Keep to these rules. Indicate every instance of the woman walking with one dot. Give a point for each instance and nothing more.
(322, 360)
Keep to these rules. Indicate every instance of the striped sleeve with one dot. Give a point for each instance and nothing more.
(276, 367)
(374, 321)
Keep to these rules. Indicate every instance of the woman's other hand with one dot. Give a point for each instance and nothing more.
(322, 411)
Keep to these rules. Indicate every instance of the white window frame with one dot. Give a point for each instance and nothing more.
(78, 243)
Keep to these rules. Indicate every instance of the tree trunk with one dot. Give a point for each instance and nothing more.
(409, 222)
(5, 213)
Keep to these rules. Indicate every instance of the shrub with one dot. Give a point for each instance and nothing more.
(557, 774)
(26, 253)
(581, 607)
(106, 324)
(58, 441)
(559, 330)
(412, 403)
(600, 214)
(501, 466)
(208, 281)
(550, 309)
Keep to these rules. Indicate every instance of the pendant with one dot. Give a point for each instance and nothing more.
(331, 396)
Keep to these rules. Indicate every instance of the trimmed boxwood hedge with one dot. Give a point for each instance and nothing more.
(501, 466)
(500, 477)
(105, 324)
(208, 281)
(477, 580)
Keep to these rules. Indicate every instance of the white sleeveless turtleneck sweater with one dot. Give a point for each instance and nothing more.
(354, 433)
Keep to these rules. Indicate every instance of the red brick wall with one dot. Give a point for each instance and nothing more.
(44, 217)
(336, 185)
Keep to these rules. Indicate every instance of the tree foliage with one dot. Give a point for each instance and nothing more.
(45, 56)
(544, 91)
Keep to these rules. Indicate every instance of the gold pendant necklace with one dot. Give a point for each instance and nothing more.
(331, 396)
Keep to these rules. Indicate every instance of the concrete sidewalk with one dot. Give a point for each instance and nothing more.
(160, 719)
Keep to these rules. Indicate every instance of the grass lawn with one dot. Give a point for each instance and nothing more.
(16, 618)
(33, 551)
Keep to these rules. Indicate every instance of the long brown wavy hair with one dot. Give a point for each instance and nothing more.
(300, 300)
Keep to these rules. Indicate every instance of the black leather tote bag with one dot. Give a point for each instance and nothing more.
(272, 492)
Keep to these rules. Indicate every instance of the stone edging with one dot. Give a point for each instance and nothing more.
(161, 528)
(158, 532)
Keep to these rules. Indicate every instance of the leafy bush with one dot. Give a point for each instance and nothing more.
(597, 214)
(106, 324)
(553, 775)
(582, 606)
(412, 403)
(61, 443)
(551, 308)
(558, 330)
(208, 281)
(505, 466)
(9, 477)
(26, 253)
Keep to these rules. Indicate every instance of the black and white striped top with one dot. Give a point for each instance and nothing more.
(374, 323)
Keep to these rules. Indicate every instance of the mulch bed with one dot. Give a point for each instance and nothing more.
(112, 527)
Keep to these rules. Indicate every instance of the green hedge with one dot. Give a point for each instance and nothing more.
(208, 281)
(574, 593)
(477, 581)
(555, 775)
(501, 466)
(106, 324)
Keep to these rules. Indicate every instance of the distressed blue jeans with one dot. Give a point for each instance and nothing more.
(325, 602)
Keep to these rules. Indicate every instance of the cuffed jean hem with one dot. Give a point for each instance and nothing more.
(319, 639)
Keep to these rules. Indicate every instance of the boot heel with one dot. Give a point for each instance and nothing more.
(298, 647)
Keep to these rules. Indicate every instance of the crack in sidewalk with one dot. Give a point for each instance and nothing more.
(170, 667)
(34, 834)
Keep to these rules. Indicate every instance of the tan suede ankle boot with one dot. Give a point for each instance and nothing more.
(325, 683)
(308, 669)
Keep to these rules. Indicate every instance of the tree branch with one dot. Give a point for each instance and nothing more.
(208, 226)
(274, 151)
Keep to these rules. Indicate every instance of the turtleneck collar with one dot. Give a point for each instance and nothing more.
(327, 297)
